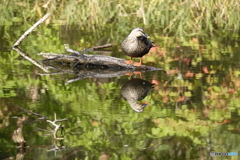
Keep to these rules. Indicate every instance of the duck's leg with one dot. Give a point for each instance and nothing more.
(138, 64)
(129, 61)
(138, 72)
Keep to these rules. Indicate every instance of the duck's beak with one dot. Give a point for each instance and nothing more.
(147, 36)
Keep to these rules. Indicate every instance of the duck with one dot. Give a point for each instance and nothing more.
(136, 44)
(136, 90)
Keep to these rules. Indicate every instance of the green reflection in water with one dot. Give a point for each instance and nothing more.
(193, 109)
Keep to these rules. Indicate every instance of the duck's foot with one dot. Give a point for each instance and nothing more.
(128, 62)
(137, 64)
(129, 74)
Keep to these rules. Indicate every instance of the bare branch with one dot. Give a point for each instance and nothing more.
(73, 51)
(30, 30)
(15, 46)
(99, 47)
(42, 116)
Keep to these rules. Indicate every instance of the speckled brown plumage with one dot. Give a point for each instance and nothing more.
(136, 44)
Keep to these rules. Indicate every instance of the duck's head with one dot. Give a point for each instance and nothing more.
(137, 107)
(138, 32)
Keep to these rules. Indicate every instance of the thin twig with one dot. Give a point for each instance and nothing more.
(103, 46)
(44, 130)
(96, 48)
(15, 46)
(73, 51)
(102, 52)
(30, 30)
(42, 116)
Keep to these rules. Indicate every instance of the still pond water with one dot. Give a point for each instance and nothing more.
(192, 109)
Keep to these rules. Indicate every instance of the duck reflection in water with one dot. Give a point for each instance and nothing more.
(136, 90)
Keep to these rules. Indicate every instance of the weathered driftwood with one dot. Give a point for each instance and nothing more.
(81, 64)
(85, 60)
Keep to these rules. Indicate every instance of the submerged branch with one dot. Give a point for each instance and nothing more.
(37, 114)
(30, 59)
(57, 126)
(54, 123)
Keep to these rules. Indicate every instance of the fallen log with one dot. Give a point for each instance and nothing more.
(86, 60)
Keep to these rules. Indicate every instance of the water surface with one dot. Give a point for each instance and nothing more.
(193, 108)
